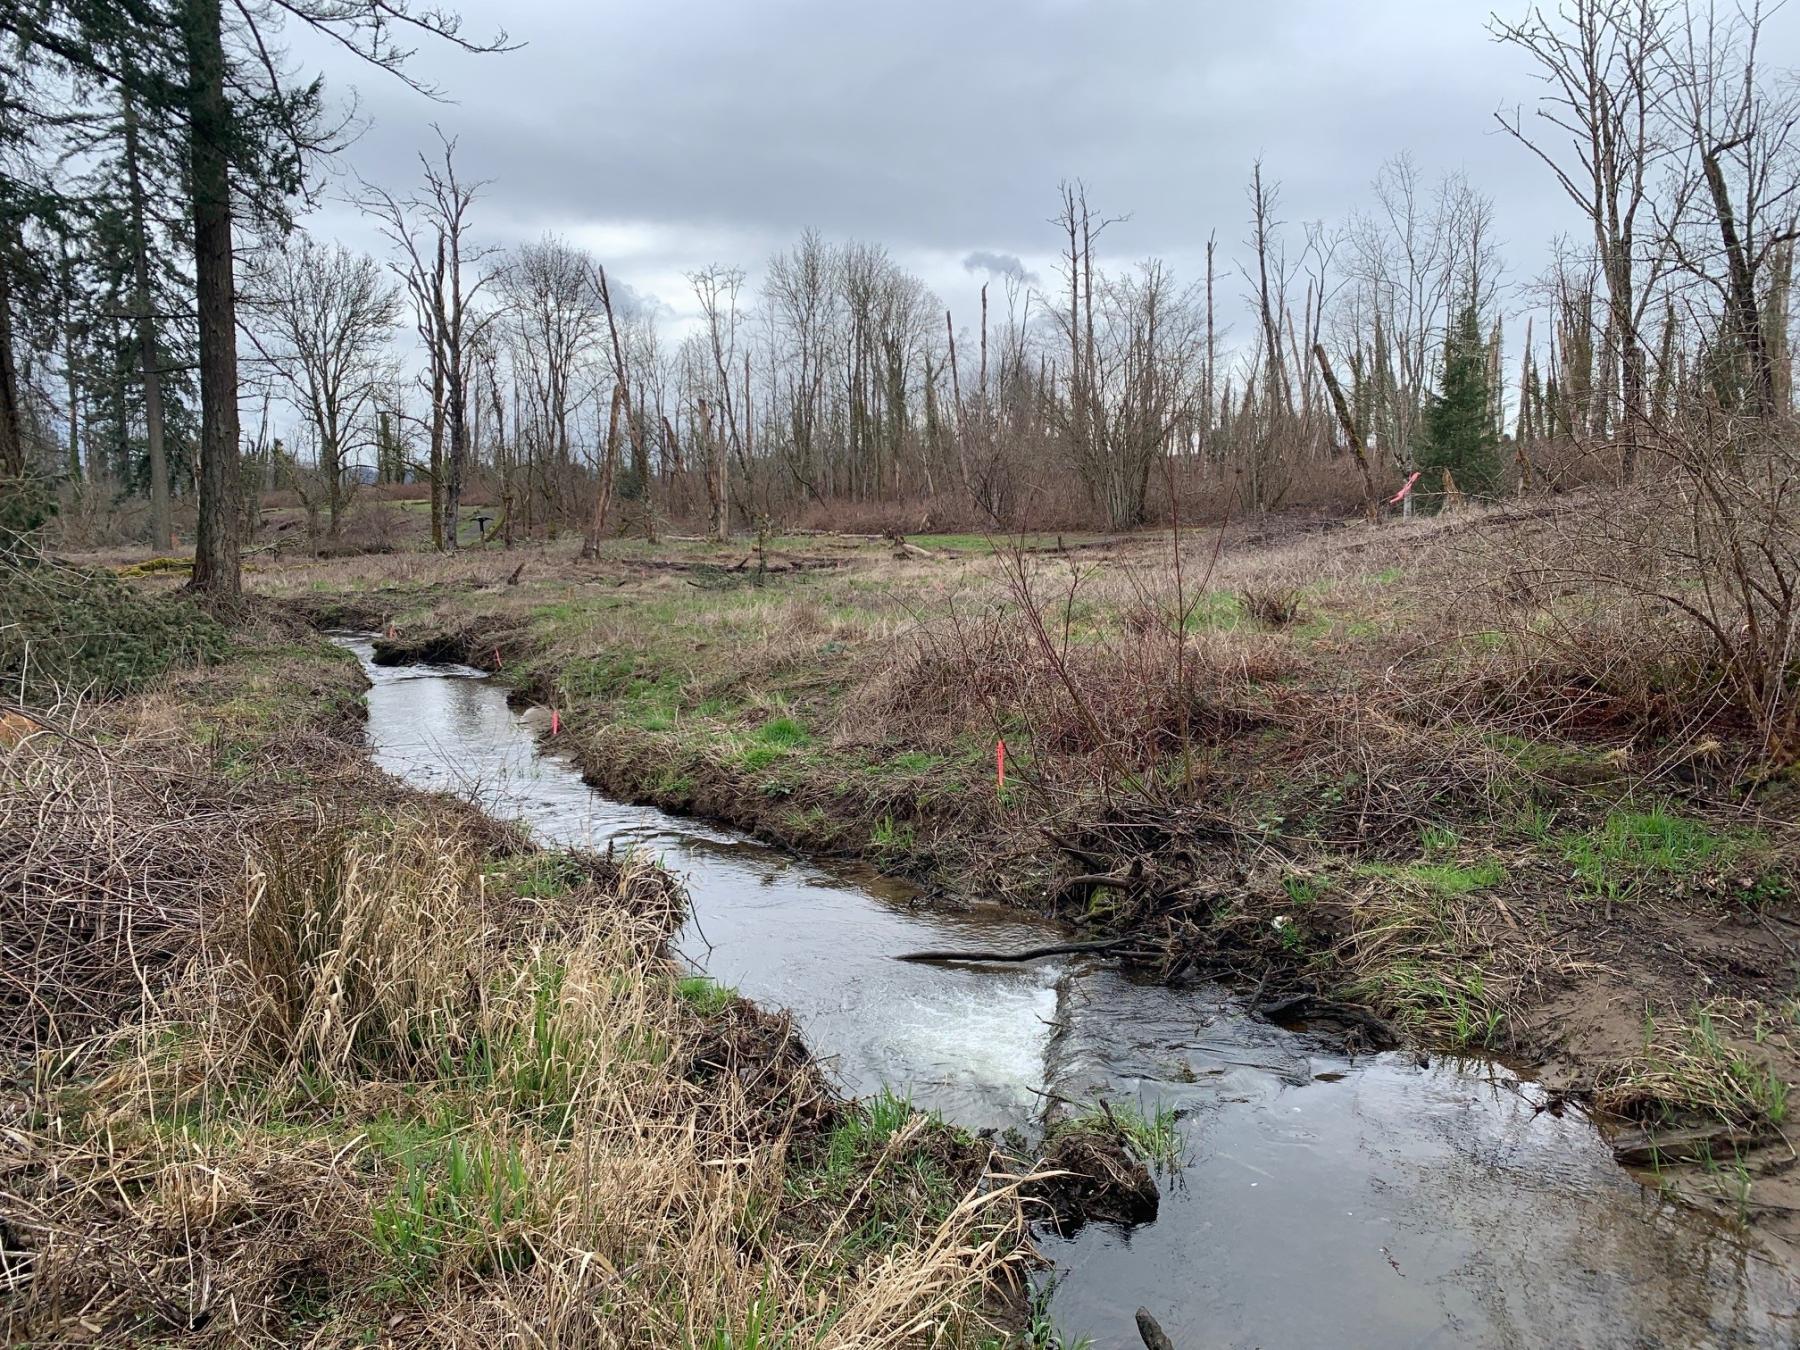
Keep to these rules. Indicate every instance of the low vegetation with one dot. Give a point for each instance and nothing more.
(76, 633)
(308, 1058)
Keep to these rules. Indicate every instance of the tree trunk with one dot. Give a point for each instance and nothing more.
(71, 372)
(334, 473)
(457, 426)
(712, 447)
(161, 536)
(437, 452)
(590, 546)
(1741, 302)
(217, 567)
(12, 440)
(1352, 432)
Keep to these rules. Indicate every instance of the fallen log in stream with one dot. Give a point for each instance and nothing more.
(1029, 954)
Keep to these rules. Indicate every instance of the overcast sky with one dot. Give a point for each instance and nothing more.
(669, 134)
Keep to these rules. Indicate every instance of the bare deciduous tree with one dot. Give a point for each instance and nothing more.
(440, 266)
(1599, 61)
(324, 317)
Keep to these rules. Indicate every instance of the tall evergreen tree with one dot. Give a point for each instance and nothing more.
(1459, 434)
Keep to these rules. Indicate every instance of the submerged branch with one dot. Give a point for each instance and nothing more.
(1029, 954)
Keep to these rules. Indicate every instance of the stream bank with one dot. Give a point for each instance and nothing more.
(1317, 1197)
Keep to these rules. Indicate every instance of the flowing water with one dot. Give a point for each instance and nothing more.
(1320, 1201)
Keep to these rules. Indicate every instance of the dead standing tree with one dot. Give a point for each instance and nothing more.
(1135, 344)
(634, 422)
(1598, 60)
(430, 230)
(1736, 211)
(717, 290)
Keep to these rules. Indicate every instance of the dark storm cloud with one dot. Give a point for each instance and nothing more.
(667, 134)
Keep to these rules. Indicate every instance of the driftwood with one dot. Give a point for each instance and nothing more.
(1154, 1337)
(1310, 1007)
(1651, 1147)
(1085, 885)
(1029, 954)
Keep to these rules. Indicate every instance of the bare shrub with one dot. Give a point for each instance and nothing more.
(104, 874)
(375, 527)
(1275, 605)
(1674, 609)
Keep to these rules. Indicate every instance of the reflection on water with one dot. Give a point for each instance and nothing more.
(1322, 1202)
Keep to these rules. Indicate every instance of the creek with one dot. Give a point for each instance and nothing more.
(1320, 1200)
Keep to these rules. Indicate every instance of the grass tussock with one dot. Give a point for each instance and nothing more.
(375, 1076)
(1712, 1064)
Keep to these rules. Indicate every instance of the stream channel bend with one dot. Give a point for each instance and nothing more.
(1321, 1201)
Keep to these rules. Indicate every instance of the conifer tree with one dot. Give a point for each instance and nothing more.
(1458, 434)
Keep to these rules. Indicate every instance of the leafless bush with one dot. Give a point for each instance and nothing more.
(1672, 608)
(375, 527)
(1275, 605)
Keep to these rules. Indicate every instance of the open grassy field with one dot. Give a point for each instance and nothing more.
(1424, 771)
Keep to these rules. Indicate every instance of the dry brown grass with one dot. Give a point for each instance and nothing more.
(310, 1075)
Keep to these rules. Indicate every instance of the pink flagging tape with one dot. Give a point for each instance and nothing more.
(1404, 489)
(1000, 765)
(555, 722)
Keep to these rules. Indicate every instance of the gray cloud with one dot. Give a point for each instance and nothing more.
(670, 135)
(998, 265)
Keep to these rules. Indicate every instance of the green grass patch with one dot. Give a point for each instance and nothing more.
(1615, 857)
(756, 758)
(1151, 1136)
(1556, 761)
(890, 836)
(1442, 998)
(1447, 879)
(1692, 1065)
(473, 1204)
(783, 733)
(704, 994)
(538, 876)
(1217, 612)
